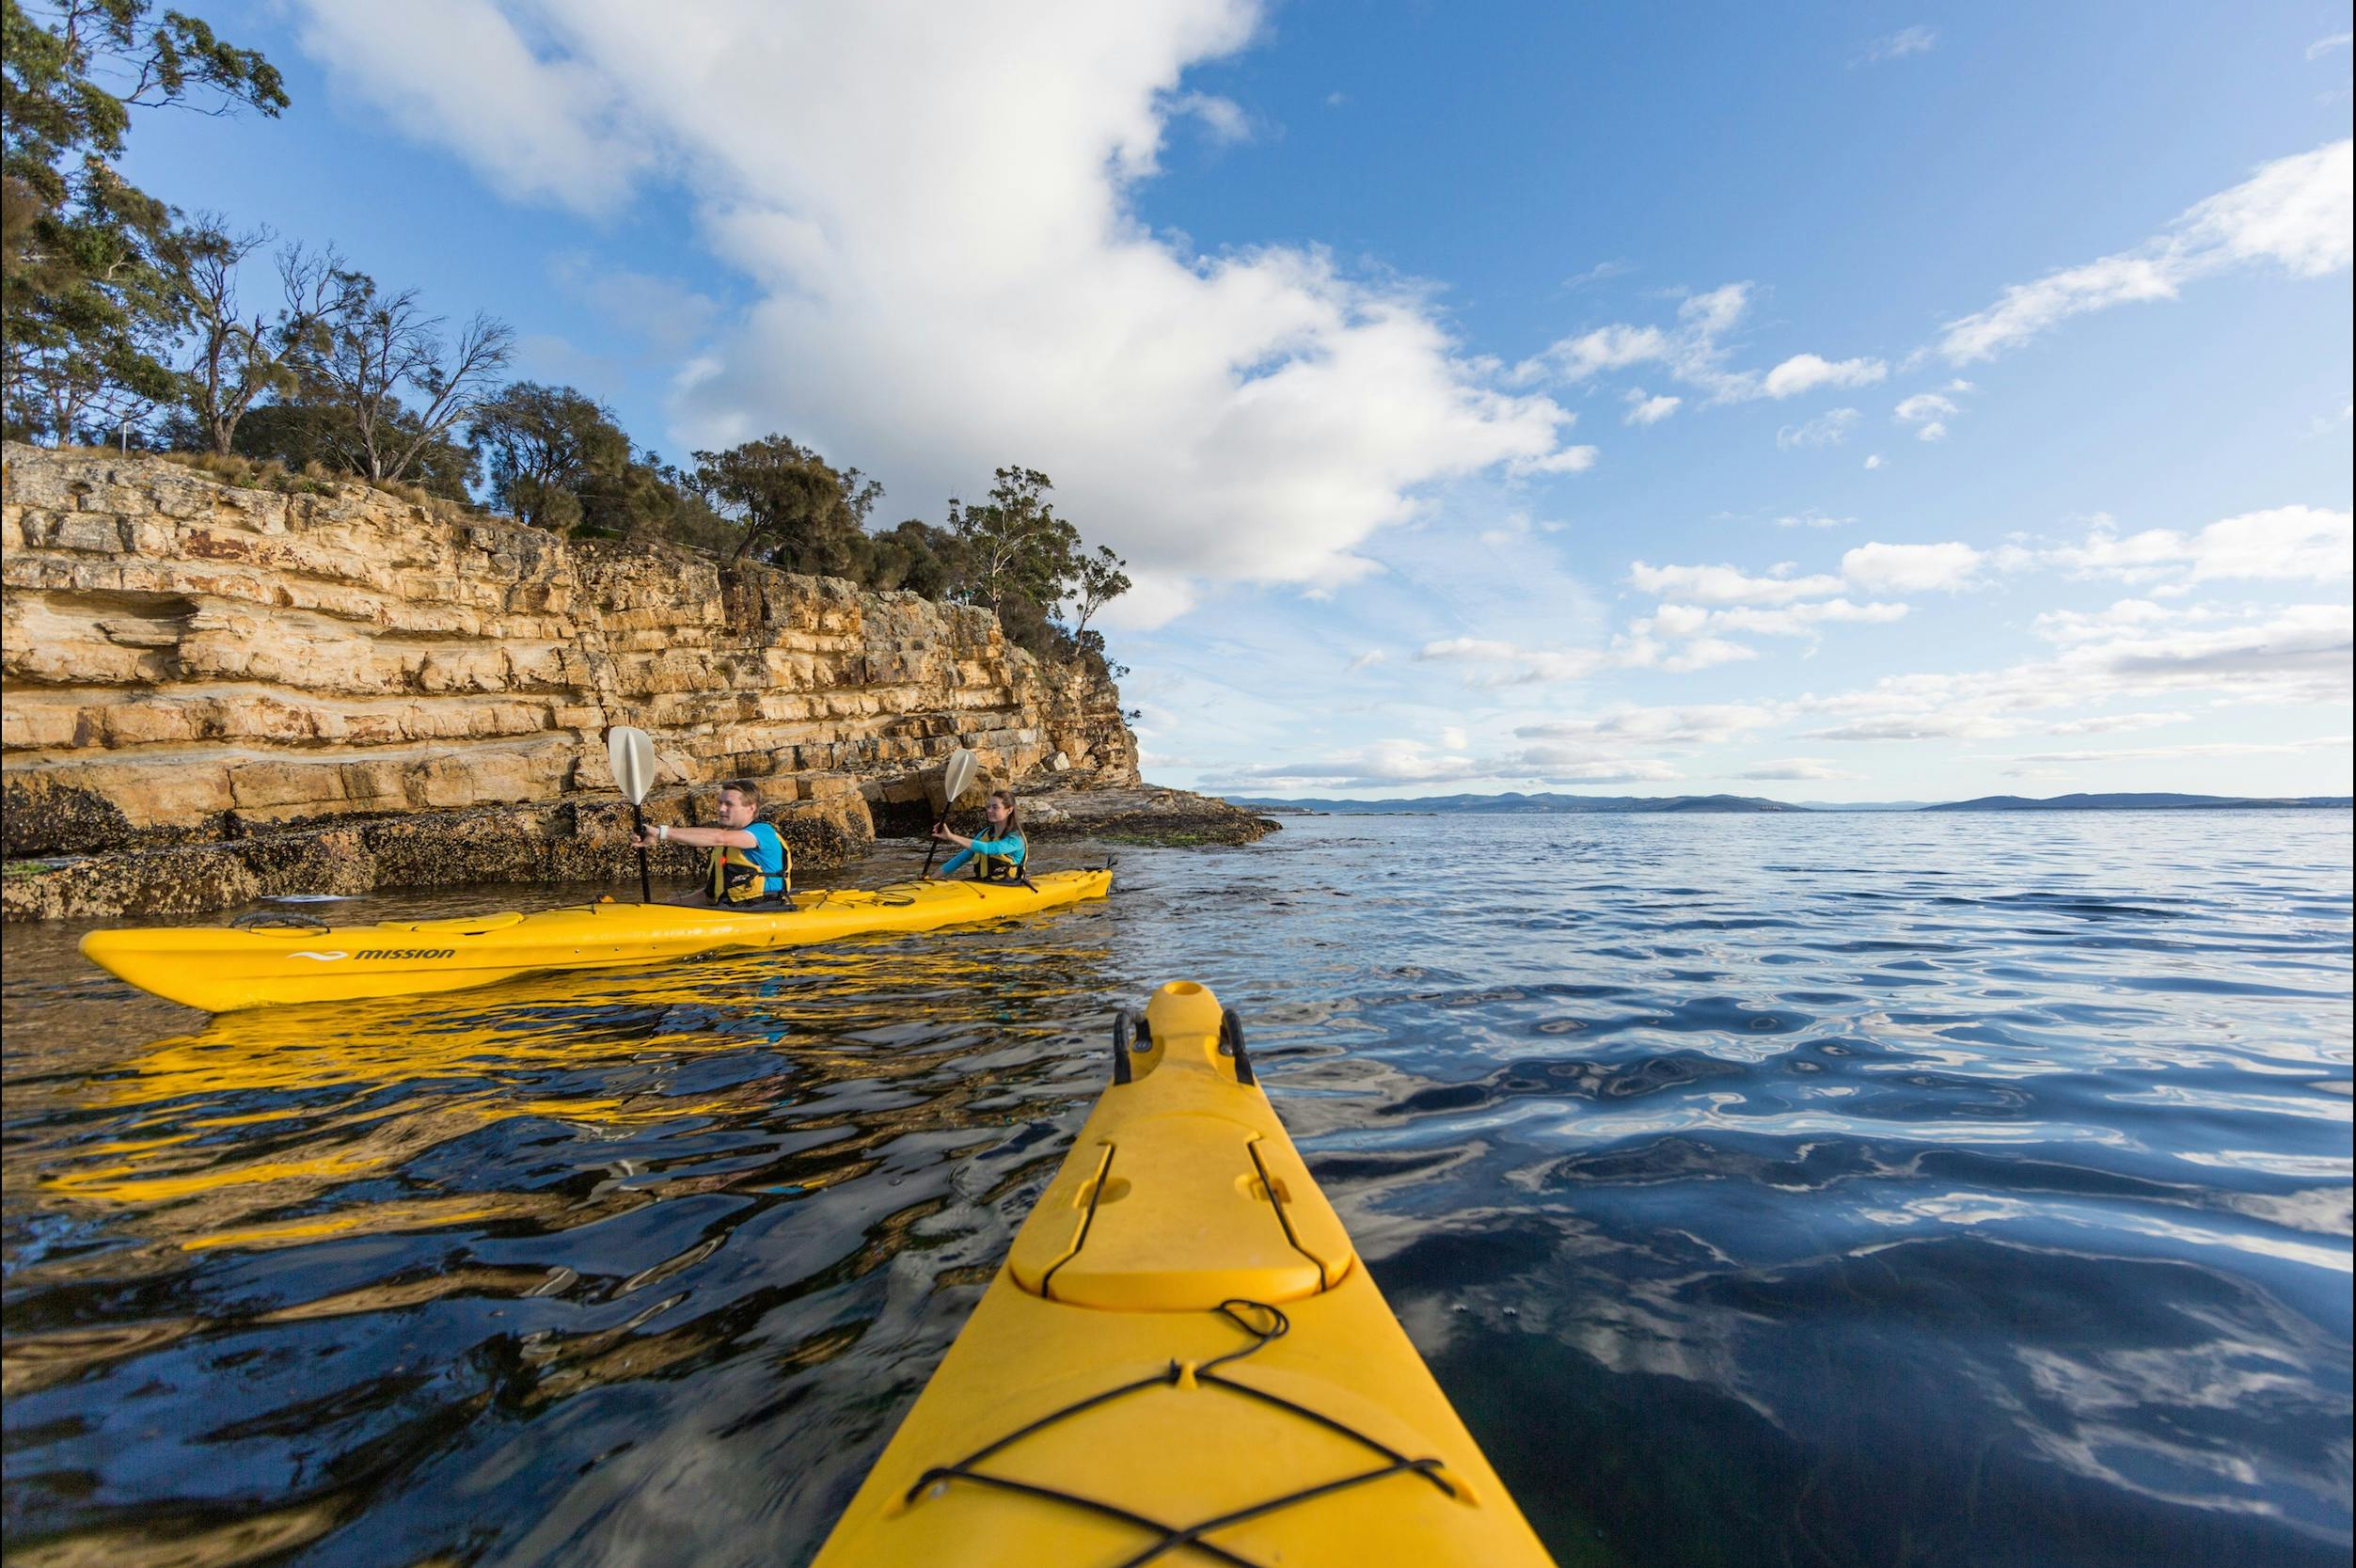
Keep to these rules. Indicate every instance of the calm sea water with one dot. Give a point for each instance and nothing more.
(1808, 1190)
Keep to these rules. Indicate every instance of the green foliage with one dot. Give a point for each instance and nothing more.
(1016, 553)
(1101, 578)
(542, 447)
(791, 508)
(914, 555)
(316, 437)
(91, 268)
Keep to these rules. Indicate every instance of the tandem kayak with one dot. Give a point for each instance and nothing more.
(1182, 1360)
(222, 969)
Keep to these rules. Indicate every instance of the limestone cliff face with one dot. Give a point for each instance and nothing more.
(189, 663)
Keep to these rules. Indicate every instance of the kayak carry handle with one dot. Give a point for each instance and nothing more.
(1121, 1035)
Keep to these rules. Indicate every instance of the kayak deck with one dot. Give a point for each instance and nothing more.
(1182, 1360)
(224, 968)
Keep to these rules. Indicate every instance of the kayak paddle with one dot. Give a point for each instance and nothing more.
(956, 776)
(632, 754)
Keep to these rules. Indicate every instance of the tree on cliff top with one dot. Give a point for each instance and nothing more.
(234, 363)
(382, 352)
(1016, 551)
(542, 447)
(801, 513)
(91, 266)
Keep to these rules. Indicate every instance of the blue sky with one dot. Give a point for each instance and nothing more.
(1843, 403)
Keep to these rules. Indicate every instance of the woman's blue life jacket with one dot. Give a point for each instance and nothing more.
(1001, 858)
(764, 872)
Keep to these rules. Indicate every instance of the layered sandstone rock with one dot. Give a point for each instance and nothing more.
(343, 690)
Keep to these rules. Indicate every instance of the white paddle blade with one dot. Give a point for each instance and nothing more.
(957, 777)
(632, 754)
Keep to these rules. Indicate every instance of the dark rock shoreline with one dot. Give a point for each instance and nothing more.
(573, 841)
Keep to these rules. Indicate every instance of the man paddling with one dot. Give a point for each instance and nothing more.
(750, 862)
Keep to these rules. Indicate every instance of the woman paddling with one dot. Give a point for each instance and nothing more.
(1000, 846)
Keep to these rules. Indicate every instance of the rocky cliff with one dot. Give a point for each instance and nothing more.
(214, 692)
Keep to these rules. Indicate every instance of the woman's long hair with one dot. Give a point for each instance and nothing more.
(1014, 813)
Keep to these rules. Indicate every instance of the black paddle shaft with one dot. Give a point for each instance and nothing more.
(645, 880)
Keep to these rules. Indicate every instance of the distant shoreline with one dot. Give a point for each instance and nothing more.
(1512, 804)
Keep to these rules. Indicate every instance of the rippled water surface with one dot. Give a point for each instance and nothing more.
(1811, 1189)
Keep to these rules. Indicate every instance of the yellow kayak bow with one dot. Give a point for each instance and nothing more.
(1183, 1360)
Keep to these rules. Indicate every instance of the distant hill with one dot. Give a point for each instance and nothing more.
(2147, 802)
(1513, 803)
(1527, 805)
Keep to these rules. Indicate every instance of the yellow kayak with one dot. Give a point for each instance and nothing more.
(222, 969)
(1182, 1360)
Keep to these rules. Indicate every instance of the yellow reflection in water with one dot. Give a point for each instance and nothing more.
(874, 1010)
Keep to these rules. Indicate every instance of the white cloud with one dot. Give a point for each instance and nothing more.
(1811, 518)
(1912, 568)
(1373, 766)
(1798, 768)
(1928, 412)
(1898, 45)
(1874, 461)
(1650, 410)
(456, 72)
(1698, 723)
(1825, 430)
(2106, 722)
(1805, 372)
(2190, 750)
(1452, 737)
(1694, 352)
(1606, 348)
(1798, 620)
(2282, 543)
(1395, 764)
(1368, 659)
(1565, 460)
(2293, 212)
(2323, 46)
(1721, 585)
(2072, 627)
(2298, 655)
(1599, 272)
(1555, 765)
(1507, 664)
(942, 227)
(1638, 649)
(1222, 117)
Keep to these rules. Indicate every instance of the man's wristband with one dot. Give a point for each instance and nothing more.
(662, 831)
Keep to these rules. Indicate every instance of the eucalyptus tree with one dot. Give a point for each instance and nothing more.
(545, 448)
(398, 385)
(801, 512)
(234, 361)
(91, 267)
